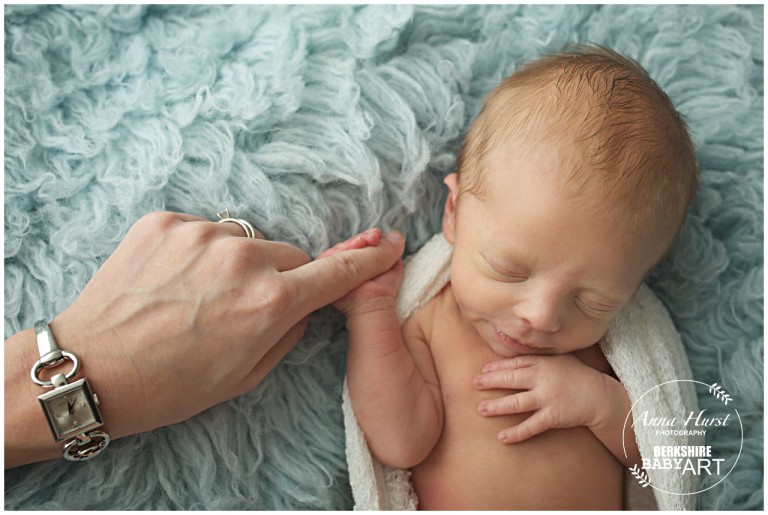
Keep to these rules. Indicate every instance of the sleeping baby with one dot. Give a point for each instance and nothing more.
(572, 184)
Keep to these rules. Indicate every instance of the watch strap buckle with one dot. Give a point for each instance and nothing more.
(86, 446)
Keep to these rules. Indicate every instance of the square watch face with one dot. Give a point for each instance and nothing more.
(70, 410)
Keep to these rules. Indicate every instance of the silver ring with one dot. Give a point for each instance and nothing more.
(225, 216)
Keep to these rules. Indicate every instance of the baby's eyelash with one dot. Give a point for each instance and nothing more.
(510, 276)
(596, 311)
(499, 274)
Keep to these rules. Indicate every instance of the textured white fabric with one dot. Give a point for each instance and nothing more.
(642, 345)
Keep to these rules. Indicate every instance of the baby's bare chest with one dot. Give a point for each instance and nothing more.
(460, 355)
(469, 467)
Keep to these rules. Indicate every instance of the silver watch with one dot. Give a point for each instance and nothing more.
(71, 408)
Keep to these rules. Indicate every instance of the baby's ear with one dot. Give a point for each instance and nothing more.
(449, 213)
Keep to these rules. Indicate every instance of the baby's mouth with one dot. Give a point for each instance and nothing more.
(514, 344)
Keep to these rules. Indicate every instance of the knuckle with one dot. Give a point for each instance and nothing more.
(225, 259)
(240, 256)
(512, 403)
(530, 430)
(548, 419)
(196, 234)
(159, 218)
(508, 377)
(298, 256)
(155, 222)
(276, 297)
(349, 267)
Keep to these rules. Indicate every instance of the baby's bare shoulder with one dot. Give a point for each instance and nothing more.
(423, 320)
(593, 357)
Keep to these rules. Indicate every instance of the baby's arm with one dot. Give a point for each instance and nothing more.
(561, 391)
(391, 376)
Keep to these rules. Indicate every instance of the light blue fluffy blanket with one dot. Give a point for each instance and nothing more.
(315, 122)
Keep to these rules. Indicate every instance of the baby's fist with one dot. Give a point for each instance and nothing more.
(378, 293)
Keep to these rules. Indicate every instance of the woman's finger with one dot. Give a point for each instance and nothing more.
(324, 281)
(274, 355)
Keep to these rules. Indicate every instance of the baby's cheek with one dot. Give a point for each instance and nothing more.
(582, 335)
(477, 298)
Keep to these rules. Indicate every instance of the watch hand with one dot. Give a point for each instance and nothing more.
(71, 406)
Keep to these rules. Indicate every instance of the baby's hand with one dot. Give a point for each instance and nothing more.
(359, 241)
(379, 292)
(560, 390)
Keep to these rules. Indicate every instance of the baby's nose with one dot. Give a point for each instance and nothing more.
(540, 314)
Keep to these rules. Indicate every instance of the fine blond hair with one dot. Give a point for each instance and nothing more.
(635, 145)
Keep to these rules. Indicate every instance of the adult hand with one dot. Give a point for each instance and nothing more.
(184, 315)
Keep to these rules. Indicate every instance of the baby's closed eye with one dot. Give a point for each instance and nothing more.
(506, 272)
(595, 308)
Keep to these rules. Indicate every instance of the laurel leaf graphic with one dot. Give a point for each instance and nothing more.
(719, 393)
(640, 475)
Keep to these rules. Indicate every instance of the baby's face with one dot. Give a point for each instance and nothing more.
(536, 270)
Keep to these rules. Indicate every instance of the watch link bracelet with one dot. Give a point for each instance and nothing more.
(70, 408)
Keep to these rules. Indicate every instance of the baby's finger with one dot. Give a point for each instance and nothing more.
(509, 404)
(530, 427)
(524, 360)
(517, 379)
(367, 238)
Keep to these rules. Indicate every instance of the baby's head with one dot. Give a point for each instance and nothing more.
(573, 182)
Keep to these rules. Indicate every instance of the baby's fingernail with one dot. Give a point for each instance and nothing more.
(478, 381)
(394, 237)
(372, 236)
(482, 408)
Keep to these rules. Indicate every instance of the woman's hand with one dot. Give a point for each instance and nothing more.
(185, 314)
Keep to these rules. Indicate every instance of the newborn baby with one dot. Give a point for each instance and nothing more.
(572, 184)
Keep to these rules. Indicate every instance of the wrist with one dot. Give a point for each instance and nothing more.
(374, 306)
(30, 435)
(110, 370)
(610, 406)
(27, 435)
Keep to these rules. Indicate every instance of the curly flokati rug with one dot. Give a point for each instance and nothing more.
(314, 122)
